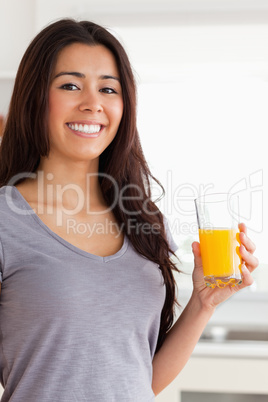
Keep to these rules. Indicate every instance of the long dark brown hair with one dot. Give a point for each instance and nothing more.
(26, 139)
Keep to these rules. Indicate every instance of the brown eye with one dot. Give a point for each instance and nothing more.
(69, 87)
(108, 91)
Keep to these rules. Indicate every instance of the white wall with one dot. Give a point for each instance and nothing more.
(16, 30)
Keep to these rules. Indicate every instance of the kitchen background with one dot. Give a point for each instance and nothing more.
(202, 73)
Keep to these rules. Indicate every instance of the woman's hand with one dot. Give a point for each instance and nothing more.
(210, 298)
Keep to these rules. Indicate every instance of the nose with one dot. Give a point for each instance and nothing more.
(90, 102)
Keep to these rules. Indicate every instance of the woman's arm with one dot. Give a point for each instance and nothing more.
(179, 344)
(185, 333)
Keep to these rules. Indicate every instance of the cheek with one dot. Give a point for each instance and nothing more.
(54, 108)
(58, 105)
(118, 112)
(56, 121)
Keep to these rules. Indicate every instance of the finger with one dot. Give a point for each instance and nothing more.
(247, 242)
(248, 258)
(197, 255)
(247, 278)
(242, 227)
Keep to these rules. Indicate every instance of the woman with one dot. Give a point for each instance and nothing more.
(88, 292)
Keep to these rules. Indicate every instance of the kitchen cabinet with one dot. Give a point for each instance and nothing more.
(225, 370)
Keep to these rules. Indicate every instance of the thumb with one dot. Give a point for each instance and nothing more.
(198, 275)
(197, 255)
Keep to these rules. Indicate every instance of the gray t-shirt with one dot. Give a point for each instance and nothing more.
(73, 326)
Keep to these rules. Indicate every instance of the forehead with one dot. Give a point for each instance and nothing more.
(79, 56)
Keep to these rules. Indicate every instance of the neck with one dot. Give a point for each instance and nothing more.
(71, 185)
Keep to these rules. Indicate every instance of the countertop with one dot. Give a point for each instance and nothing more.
(241, 349)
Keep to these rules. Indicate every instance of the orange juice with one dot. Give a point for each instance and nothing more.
(220, 256)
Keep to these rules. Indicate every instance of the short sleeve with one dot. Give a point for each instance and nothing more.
(172, 244)
(1, 261)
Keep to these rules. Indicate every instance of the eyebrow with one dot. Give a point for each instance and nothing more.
(109, 77)
(81, 75)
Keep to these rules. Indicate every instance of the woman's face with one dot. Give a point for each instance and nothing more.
(85, 103)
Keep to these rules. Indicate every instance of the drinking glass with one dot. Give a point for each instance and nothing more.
(218, 216)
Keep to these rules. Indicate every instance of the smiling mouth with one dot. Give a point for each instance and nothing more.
(85, 128)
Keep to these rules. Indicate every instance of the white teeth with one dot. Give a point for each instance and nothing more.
(85, 128)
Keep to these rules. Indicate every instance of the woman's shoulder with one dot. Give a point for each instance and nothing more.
(6, 193)
(9, 202)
